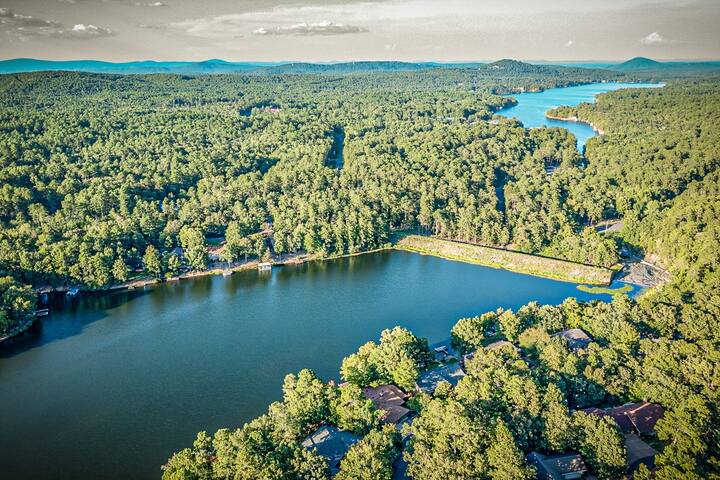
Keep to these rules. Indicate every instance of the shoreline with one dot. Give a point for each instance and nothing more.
(518, 262)
(492, 257)
(575, 119)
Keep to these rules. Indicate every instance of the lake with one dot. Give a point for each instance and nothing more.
(531, 107)
(111, 384)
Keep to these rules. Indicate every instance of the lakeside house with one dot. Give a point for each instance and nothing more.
(429, 381)
(332, 443)
(566, 466)
(492, 346)
(575, 337)
(389, 399)
(638, 452)
(214, 252)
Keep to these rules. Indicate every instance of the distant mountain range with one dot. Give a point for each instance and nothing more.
(215, 66)
(640, 64)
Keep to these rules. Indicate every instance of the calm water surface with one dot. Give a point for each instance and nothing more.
(531, 107)
(110, 385)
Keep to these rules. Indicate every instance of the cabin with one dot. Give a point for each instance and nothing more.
(638, 452)
(501, 344)
(332, 443)
(638, 418)
(390, 400)
(567, 466)
(428, 381)
(575, 337)
(215, 252)
(264, 266)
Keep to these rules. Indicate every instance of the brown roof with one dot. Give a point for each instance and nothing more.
(632, 417)
(638, 452)
(643, 416)
(393, 413)
(575, 337)
(385, 394)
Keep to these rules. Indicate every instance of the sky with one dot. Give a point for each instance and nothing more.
(343, 30)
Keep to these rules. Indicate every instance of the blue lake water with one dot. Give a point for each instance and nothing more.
(531, 107)
(110, 385)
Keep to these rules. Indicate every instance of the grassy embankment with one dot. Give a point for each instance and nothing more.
(506, 259)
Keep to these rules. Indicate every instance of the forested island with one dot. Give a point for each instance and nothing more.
(106, 178)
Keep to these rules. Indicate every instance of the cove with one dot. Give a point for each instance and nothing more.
(532, 106)
(111, 384)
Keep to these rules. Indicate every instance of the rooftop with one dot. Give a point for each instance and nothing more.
(331, 443)
(566, 466)
(385, 394)
(638, 452)
(632, 417)
(390, 399)
(575, 337)
(429, 380)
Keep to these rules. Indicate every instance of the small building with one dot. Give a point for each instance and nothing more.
(428, 381)
(641, 417)
(332, 443)
(178, 252)
(638, 452)
(500, 344)
(575, 337)
(264, 266)
(390, 400)
(566, 466)
(215, 252)
(385, 394)
(638, 418)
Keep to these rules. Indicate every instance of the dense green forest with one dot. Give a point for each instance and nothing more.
(657, 168)
(104, 175)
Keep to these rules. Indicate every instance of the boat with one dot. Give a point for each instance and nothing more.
(227, 273)
(72, 291)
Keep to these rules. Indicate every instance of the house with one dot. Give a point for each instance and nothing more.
(575, 337)
(639, 418)
(566, 466)
(491, 347)
(331, 443)
(178, 252)
(390, 400)
(638, 452)
(500, 344)
(428, 381)
(214, 252)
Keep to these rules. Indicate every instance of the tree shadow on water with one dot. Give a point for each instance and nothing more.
(68, 317)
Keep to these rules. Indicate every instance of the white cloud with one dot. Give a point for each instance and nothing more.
(29, 26)
(570, 43)
(317, 28)
(82, 30)
(653, 38)
(150, 4)
(12, 20)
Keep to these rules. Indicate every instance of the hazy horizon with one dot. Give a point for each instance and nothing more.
(331, 31)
